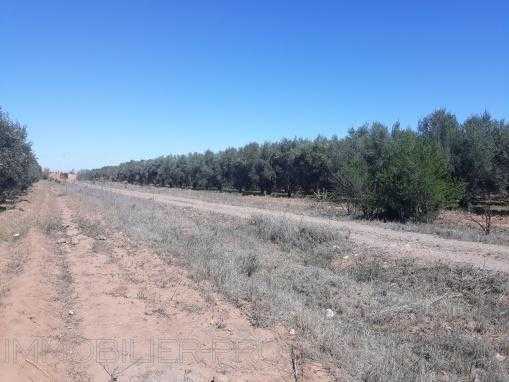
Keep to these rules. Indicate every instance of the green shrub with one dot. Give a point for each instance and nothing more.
(413, 181)
(396, 176)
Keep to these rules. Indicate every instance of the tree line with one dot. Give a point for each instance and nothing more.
(389, 172)
(18, 163)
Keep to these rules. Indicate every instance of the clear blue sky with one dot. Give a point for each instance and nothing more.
(99, 82)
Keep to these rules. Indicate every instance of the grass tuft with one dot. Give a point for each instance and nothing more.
(51, 224)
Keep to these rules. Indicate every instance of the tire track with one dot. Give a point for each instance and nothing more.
(129, 296)
(37, 336)
(376, 239)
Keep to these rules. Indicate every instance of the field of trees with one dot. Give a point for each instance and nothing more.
(390, 173)
(331, 298)
(18, 164)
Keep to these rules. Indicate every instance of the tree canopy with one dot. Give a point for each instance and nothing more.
(18, 164)
(391, 172)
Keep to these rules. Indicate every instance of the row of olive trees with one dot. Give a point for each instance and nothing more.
(18, 164)
(385, 172)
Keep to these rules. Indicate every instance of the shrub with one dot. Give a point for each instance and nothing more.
(291, 234)
(310, 244)
(397, 176)
(413, 181)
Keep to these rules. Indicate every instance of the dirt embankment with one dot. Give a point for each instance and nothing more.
(85, 304)
(378, 239)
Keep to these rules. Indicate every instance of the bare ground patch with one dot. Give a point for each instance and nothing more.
(127, 293)
(30, 319)
(372, 316)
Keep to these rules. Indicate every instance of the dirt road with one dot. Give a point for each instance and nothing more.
(77, 307)
(380, 240)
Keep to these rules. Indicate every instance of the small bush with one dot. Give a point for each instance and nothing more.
(292, 234)
(90, 228)
(368, 271)
(51, 224)
(248, 264)
(312, 244)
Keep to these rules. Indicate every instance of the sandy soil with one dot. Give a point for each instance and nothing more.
(80, 308)
(378, 239)
(30, 308)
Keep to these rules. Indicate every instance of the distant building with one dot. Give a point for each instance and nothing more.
(72, 177)
(60, 176)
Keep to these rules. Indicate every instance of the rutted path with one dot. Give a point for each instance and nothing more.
(35, 329)
(381, 240)
(101, 308)
(148, 322)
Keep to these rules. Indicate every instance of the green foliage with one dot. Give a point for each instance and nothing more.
(413, 181)
(483, 156)
(442, 129)
(18, 165)
(387, 173)
(396, 175)
(477, 151)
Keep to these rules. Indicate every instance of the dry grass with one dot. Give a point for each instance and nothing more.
(51, 224)
(25, 212)
(16, 261)
(299, 235)
(449, 225)
(90, 228)
(14, 226)
(313, 244)
(305, 205)
(394, 320)
(456, 230)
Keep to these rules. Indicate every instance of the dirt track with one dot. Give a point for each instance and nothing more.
(380, 240)
(76, 307)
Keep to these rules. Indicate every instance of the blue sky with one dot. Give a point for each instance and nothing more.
(100, 82)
